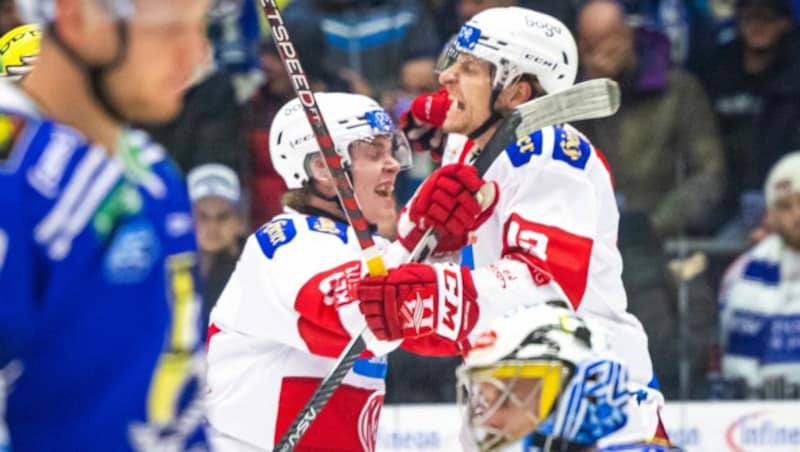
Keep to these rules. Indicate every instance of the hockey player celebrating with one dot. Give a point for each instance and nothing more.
(543, 376)
(290, 307)
(100, 344)
(553, 231)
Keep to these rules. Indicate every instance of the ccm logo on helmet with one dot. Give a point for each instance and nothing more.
(552, 65)
(550, 29)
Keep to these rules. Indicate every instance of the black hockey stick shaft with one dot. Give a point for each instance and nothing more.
(355, 217)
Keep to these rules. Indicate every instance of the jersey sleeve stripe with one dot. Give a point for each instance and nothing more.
(105, 182)
(83, 176)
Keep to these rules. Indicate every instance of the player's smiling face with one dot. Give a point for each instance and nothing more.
(374, 171)
(468, 82)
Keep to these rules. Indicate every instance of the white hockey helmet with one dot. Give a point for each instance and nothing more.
(43, 11)
(541, 368)
(349, 117)
(518, 41)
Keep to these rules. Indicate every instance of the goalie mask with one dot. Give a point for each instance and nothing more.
(542, 374)
(517, 41)
(353, 121)
(18, 51)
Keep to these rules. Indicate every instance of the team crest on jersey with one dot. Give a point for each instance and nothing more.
(328, 226)
(274, 235)
(571, 148)
(10, 128)
(368, 421)
(521, 152)
(132, 254)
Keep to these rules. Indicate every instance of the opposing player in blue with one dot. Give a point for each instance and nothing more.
(100, 340)
(544, 377)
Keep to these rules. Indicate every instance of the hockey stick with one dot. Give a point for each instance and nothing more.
(344, 190)
(596, 98)
(593, 99)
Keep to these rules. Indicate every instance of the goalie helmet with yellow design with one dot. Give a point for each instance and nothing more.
(542, 374)
(18, 51)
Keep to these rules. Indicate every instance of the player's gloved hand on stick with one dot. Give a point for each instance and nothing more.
(423, 121)
(447, 201)
(416, 300)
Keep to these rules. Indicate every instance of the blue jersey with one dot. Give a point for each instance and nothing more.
(100, 336)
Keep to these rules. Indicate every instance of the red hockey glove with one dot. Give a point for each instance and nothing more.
(423, 121)
(446, 201)
(417, 300)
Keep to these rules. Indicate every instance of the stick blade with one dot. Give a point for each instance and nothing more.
(598, 98)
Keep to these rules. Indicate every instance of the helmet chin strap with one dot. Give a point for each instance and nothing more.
(493, 118)
(97, 72)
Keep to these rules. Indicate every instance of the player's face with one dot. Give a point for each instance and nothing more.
(507, 409)
(167, 44)
(468, 82)
(218, 224)
(374, 171)
(786, 219)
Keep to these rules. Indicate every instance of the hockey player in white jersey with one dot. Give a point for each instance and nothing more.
(544, 377)
(290, 306)
(554, 229)
(760, 295)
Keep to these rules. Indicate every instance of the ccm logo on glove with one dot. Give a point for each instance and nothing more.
(416, 300)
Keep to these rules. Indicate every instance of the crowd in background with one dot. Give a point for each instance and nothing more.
(710, 102)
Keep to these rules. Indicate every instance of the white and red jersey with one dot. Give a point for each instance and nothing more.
(557, 212)
(287, 312)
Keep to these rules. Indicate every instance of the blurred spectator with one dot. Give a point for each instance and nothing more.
(754, 84)
(667, 165)
(208, 129)
(8, 16)
(215, 194)
(235, 30)
(368, 47)
(663, 144)
(451, 14)
(760, 298)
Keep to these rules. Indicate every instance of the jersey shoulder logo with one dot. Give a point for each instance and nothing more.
(521, 151)
(327, 226)
(274, 235)
(571, 148)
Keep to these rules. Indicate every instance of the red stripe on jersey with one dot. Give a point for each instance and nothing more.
(468, 145)
(603, 159)
(318, 302)
(212, 330)
(562, 254)
(349, 421)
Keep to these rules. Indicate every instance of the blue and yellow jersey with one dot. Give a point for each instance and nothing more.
(100, 312)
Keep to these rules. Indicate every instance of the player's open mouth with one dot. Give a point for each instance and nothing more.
(456, 103)
(384, 190)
